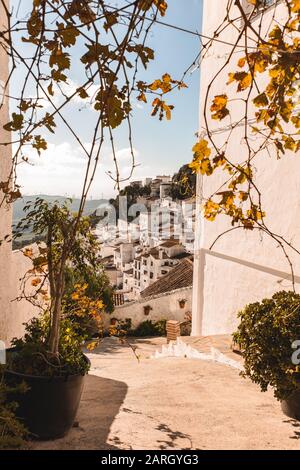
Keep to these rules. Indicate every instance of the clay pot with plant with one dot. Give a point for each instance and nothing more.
(267, 335)
(49, 358)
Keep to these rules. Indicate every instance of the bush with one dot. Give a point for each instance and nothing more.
(266, 334)
(32, 356)
(12, 431)
(148, 328)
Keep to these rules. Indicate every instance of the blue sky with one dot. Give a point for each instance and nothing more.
(161, 147)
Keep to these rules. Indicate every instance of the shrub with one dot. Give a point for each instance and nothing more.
(99, 286)
(148, 328)
(12, 431)
(32, 356)
(266, 334)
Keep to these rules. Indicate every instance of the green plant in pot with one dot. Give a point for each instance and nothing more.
(49, 358)
(266, 335)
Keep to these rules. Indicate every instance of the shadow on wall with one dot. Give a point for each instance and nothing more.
(100, 404)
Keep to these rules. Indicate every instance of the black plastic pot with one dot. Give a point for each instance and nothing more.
(291, 406)
(48, 409)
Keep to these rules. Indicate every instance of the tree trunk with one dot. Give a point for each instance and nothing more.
(55, 325)
(56, 309)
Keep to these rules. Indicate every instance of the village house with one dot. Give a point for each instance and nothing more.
(160, 185)
(169, 298)
(155, 263)
(150, 246)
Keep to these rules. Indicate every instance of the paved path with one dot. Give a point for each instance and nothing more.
(173, 403)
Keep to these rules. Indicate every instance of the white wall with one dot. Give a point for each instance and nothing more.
(164, 307)
(21, 311)
(243, 266)
(5, 210)
(12, 264)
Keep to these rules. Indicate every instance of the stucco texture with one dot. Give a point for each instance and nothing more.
(13, 265)
(163, 307)
(243, 266)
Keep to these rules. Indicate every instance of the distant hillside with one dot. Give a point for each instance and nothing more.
(18, 213)
(18, 209)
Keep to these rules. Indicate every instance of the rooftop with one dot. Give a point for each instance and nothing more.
(170, 243)
(179, 277)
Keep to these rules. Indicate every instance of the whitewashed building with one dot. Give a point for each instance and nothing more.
(169, 298)
(243, 266)
(13, 264)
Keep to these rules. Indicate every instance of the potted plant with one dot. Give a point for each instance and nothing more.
(266, 336)
(147, 310)
(49, 358)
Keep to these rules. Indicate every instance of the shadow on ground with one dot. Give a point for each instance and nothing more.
(170, 441)
(296, 427)
(100, 404)
(115, 346)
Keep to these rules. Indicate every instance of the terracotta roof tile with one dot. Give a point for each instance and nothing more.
(170, 243)
(179, 277)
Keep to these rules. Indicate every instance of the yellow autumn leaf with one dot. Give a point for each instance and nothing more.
(261, 100)
(211, 210)
(296, 6)
(218, 108)
(202, 149)
(142, 97)
(167, 110)
(242, 62)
